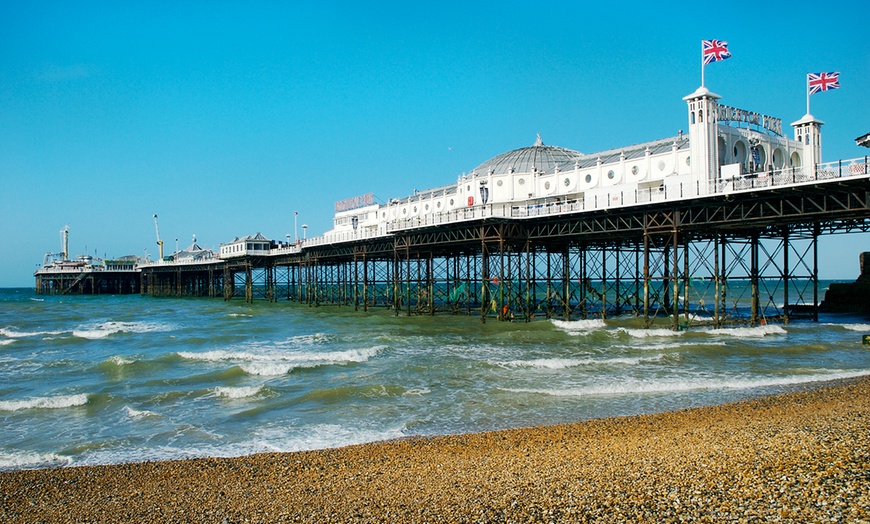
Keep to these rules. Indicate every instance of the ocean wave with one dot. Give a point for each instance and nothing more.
(306, 340)
(139, 414)
(273, 363)
(58, 402)
(865, 328)
(284, 439)
(6, 342)
(267, 369)
(31, 460)
(565, 363)
(120, 361)
(12, 333)
(685, 385)
(237, 392)
(416, 392)
(579, 327)
(747, 332)
(103, 330)
(650, 333)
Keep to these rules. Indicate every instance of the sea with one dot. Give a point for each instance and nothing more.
(87, 380)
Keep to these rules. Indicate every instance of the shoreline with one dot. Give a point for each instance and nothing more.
(792, 457)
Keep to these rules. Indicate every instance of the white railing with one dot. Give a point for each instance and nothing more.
(790, 176)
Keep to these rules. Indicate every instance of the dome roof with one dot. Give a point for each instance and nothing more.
(544, 158)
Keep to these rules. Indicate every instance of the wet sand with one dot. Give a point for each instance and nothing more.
(801, 457)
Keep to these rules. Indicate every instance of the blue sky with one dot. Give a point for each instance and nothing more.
(225, 118)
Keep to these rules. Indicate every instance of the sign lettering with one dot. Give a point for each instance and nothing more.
(355, 202)
(733, 114)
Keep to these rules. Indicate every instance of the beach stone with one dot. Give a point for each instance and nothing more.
(801, 457)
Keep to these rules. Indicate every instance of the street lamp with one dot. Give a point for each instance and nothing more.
(304, 231)
(295, 234)
(288, 239)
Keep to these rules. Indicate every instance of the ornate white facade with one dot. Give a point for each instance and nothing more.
(725, 149)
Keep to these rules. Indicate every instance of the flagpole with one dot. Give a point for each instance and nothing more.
(702, 63)
(808, 94)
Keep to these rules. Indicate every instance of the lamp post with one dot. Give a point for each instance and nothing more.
(288, 239)
(295, 235)
(304, 231)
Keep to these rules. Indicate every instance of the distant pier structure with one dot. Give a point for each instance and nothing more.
(86, 275)
(715, 226)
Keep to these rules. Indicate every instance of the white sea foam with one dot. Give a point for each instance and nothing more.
(865, 328)
(579, 327)
(59, 402)
(12, 333)
(6, 341)
(748, 332)
(267, 369)
(139, 414)
(273, 363)
(416, 392)
(282, 438)
(565, 363)
(103, 330)
(237, 392)
(650, 333)
(684, 385)
(31, 460)
(120, 361)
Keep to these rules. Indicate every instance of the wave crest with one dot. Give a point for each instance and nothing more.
(58, 402)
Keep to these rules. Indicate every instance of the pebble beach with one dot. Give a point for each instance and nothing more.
(797, 457)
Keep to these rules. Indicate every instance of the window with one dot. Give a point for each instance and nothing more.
(610, 174)
(588, 179)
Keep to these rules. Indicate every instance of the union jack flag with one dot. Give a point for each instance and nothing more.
(714, 50)
(822, 81)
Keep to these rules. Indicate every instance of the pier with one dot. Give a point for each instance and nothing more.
(714, 227)
(748, 254)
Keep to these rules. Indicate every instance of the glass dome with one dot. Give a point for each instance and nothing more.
(539, 156)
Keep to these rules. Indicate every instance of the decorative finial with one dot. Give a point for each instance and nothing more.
(539, 142)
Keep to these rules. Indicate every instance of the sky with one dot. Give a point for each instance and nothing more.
(226, 118)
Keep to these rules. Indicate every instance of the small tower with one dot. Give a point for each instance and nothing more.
(808, 131)
(703, 139)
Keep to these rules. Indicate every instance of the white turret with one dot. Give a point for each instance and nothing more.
(808, 131)
(703, 111)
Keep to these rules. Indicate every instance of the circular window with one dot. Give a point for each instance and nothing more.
(499, 183)
(451, 201)
(547, 185)
(405, 211)
(588, 179)
(438, 205)
(415, 209)
(634, 170)
(610, 174)
(661, 165)
(384, 214)
(522, 181)
(468, 188)
(427, 207)
(688, 160)
(568, 181)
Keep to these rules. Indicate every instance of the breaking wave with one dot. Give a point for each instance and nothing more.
(58, 402)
